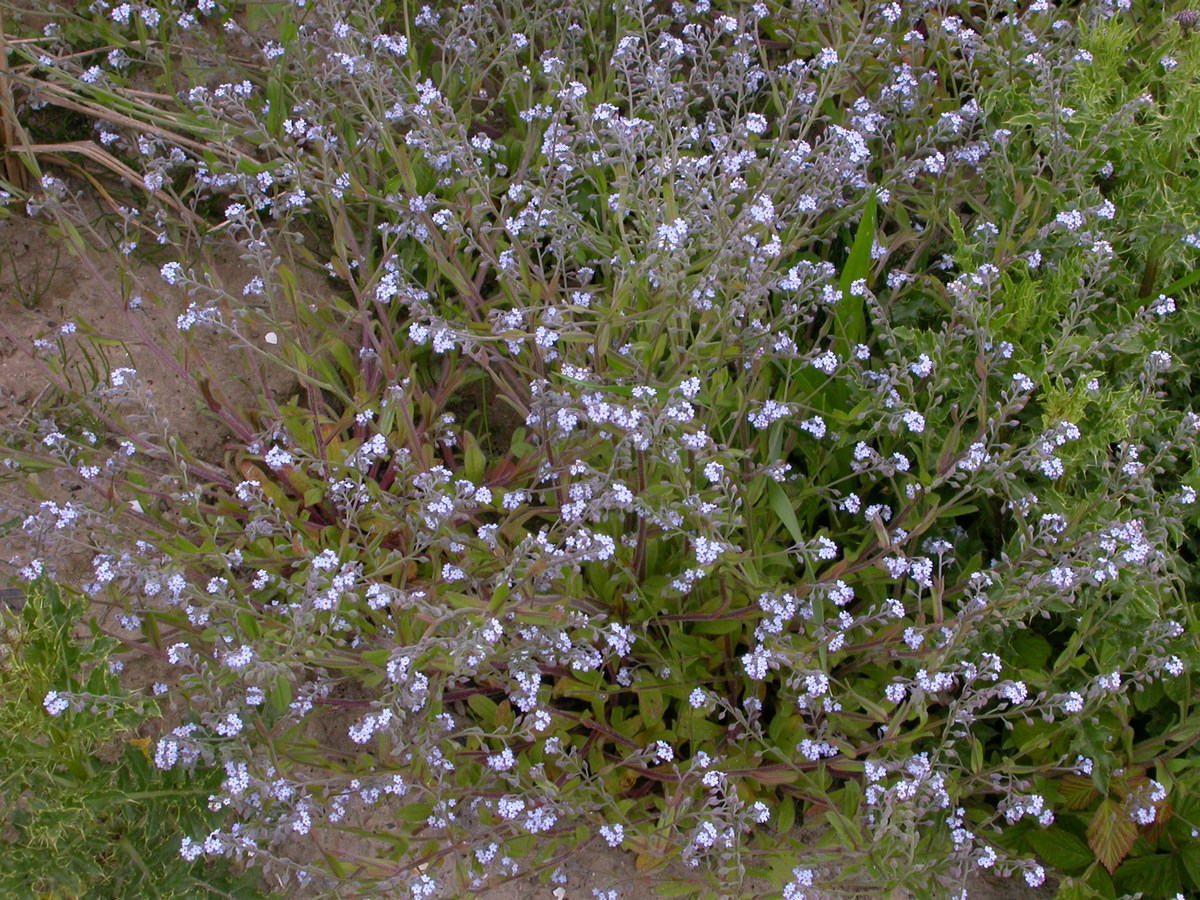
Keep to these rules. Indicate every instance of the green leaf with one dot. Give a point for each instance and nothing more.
(1101, 883)
(1111, 834)
(1189, 861)
(849, 322)
(851, 800)
(289, 30)
(719, 626)
(414, 812)
(1073, 889)
(281, 693)
(1032, 650)
(1183, 283)
(248, 624)
(1062, 849)
(772, 775)
(278, 108)
(652, 704)
(1154, 875)
(484, 707)
(259, 15)
(782, 508)
(846, 830)
(1077, 792)
(675, 889)
(473, 459)
(960, 238)
(785, 815)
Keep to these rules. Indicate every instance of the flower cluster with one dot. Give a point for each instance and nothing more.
(665, 454)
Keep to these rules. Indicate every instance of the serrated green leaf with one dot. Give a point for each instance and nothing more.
(1101, 883)
(1111, 834)
(1189, 860)
(1154, 876)
(1062, 849)
(1078, 792)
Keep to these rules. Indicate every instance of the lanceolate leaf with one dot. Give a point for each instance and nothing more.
(782, 508)
(850, 324)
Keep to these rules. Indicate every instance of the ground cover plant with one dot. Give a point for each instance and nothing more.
(87, 814)
(755, 436)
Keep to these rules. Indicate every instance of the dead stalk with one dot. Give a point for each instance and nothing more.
(11, 135)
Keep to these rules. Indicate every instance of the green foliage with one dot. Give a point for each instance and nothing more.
(86, 814)
(607, 492)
